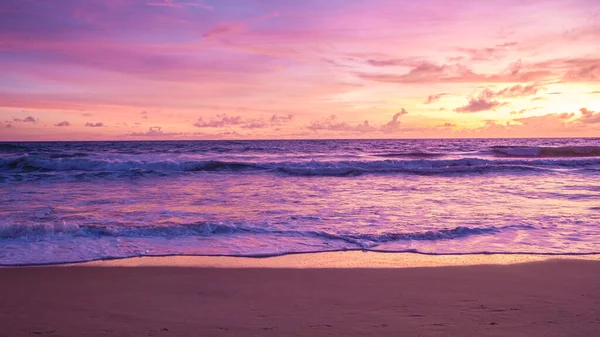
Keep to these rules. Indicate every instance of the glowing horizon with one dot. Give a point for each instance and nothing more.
(171, 69)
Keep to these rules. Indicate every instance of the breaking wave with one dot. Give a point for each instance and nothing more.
(544, 152)
(364, 240)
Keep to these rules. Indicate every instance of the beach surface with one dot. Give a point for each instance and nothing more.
(333, 294)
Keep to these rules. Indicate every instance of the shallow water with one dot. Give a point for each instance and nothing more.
(79, 201)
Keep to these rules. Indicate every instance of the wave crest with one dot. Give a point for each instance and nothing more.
(363, 240)
(544, 152)
(39, 168)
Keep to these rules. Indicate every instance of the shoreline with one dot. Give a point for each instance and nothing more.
(339, 259)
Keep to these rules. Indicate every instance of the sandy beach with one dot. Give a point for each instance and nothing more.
(509, 296)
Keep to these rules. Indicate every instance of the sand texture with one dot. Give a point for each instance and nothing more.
(552, 298)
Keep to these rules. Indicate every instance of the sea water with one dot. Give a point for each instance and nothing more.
(78, 201)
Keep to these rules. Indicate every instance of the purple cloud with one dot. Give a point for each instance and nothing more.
(332, 123)
(94, 125)
(27, 119)
(394, 124)
(154, 131)
(281, 119)
(222, 121)
(63, 123)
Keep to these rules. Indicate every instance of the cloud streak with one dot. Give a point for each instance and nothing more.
(175, 4)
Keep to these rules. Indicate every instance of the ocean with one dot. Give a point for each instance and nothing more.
(66, 202)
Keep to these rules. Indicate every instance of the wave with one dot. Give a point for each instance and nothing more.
(545, 152)
(363, 240)
(28, 163)
(41, 167)
(410, 155)
(40, 231)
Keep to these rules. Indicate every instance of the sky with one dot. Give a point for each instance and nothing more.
(311, 69)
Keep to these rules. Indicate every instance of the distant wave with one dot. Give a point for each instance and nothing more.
(40, 232)
(409, 155)
(544, 152)
(42, 167)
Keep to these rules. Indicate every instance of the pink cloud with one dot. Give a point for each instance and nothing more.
(428, 72)
(490, 53)
(434, 98)
(518, 91)
(483, 102)
(394, 124)
(332, 123)
(589, 117)
(222, 121)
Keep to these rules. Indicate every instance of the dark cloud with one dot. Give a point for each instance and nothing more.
(144, 114)
(63, 123)
(94, 125)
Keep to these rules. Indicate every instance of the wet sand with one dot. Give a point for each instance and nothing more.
(162, 297)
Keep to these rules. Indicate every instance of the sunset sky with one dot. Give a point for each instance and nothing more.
(263, 69)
